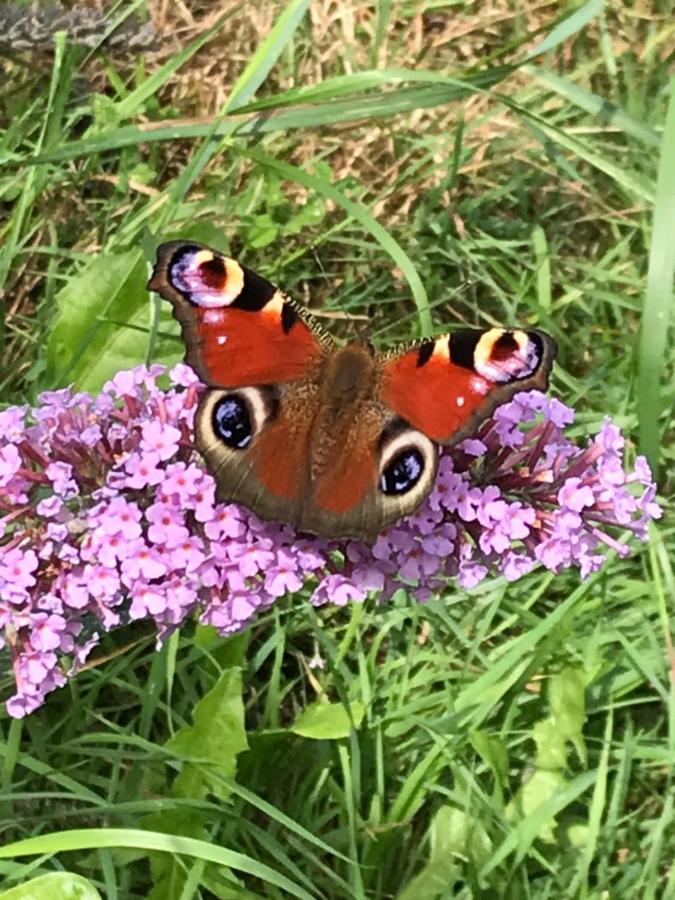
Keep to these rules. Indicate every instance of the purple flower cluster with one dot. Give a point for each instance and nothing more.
(108, 516)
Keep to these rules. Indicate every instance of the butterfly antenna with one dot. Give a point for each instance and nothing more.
(361, 323)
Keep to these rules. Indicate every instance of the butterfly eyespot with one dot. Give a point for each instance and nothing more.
(503, 356)
(232, 421)
(214, 273)
(403, 472)
(205, 278)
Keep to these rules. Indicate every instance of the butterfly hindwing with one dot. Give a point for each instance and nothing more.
(266, 450)
(254, 442)
(445, 386)
(239, 329)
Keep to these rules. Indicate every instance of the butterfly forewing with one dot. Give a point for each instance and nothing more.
(239, 329)
(446, 386)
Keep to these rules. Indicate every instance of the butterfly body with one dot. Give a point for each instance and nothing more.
(335, 440)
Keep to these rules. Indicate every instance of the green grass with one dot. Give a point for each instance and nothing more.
(513, 741)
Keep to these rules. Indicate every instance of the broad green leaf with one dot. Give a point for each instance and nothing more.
(565, 722)
(82, 347)
(456, 833)
(551, 749)
(456, 837)
(55, 886)
(102, 324)
(545, 804)
(328, 721)
(577, 834)
(214, 741)
(566, 696)
(493, 750)
(537, 790)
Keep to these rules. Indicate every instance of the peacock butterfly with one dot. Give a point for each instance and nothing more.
(335, 440)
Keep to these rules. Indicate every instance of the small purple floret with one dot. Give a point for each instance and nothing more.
(108, 516)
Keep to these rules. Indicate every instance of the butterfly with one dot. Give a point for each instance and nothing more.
(339, 441)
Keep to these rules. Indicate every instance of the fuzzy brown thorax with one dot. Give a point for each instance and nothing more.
(348, 377)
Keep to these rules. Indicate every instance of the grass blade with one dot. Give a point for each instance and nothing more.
(609, 114)
(97, 838)
(358, 212)
(130, 105)
(267, 54)
(658, 298)
(566, 29)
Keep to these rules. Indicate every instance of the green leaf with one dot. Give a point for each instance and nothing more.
(455, 838)
(566, 720)
(456, 833)
(564, 723)
(328, 721)
(55, 886)
(536, 791)
(82, 347)
(493, 751)
(102, 324)
(566, 696)
(545, 805)
(215, 740)
(551, 750)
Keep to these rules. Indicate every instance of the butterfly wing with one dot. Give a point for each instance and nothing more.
(269, 438)
(255, 442)
(270, 449)
(446, 386)
(239, 329)
(261, 356)
(377, 470)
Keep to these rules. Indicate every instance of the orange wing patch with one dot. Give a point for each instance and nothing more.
(239, 329)
(280, 455)
(236, 348)
(445, 386)
(439, 399)
(345, 486)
